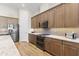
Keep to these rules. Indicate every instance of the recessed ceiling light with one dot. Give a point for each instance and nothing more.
(23, 5)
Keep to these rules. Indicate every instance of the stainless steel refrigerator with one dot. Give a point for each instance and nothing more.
(14, 31)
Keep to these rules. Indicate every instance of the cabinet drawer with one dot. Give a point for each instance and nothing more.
(57, 41)
(71, 44)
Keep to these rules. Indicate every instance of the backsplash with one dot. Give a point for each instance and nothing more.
(58, 31)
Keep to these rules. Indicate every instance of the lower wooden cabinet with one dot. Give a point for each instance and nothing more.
(56, 47)
(32, 38)
(69, 49)
(78, 52)
(53, 46)
(61, 48)
(47, 45)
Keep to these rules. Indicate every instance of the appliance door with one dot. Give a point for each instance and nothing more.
(40, 42)
(15, 36)
(45, 24)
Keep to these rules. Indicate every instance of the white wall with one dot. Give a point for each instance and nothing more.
(24, 24)
(46, 6)
(8, 11)
(35, 12)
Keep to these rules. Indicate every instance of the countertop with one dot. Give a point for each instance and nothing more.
(35, 33)
(7, 46)
(59, 37)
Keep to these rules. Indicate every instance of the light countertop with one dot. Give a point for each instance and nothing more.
(59, 37)
(63, 38)
(7, 46)
(35, 33)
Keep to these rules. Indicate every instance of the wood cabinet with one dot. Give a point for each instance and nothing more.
(38, 21)
(8, 20)
(48, 45)
(53, 46)
(69, 49)
(59, 47)
(33, 22)
(51, 18)
(3, 20)
(12, 21)
(71, 15)
(32, 38)
(59, 16)
(64, 15)
(43, 18)
(78, 50)
(56, 47)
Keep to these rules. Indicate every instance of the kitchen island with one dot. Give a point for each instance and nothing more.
(7, 46)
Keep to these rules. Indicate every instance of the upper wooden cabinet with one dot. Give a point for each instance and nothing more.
(4, 21)
(63, 15)
(35, 22)
(59, 16)
(51, 18)
(38, 21)
(43, 18)
(71, 15)
(12, 21)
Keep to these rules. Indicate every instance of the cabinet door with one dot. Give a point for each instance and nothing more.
(78, 51)
(3, 20)
(59, 16)
(38, 21)
(43, 18)
(51, 18)
(56, 47)
(33, 22)
(71, 15)
(12, 21)
(69, 49)
(47, 44)
(32, 39)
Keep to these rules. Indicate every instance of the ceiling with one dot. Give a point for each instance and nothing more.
(32, 7)
(29, 6)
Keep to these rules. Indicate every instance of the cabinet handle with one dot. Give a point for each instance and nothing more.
(39, 24)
